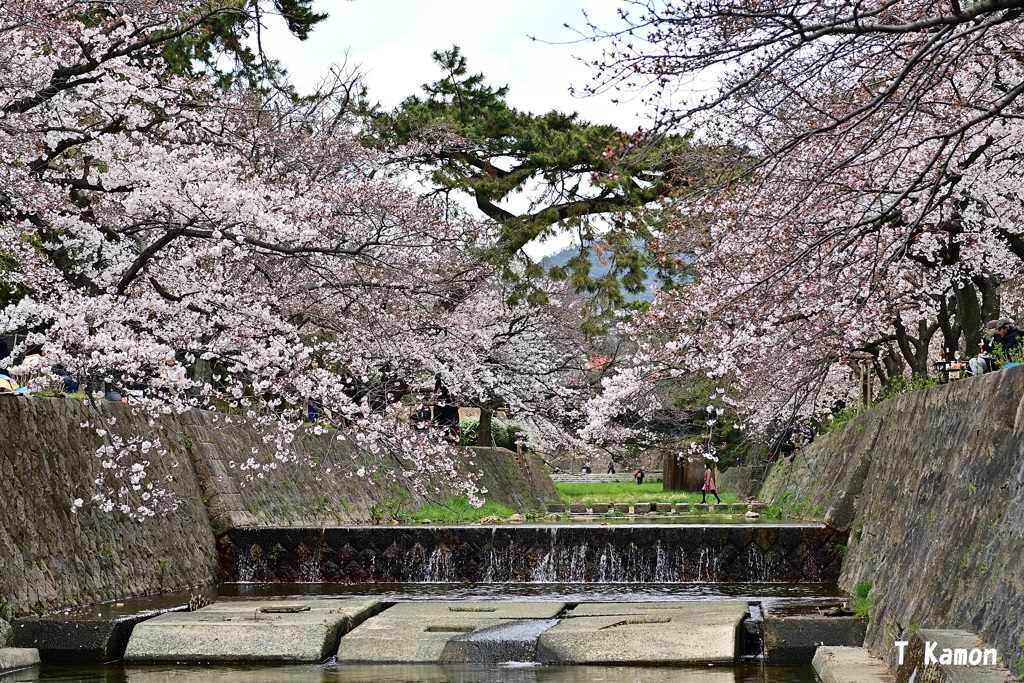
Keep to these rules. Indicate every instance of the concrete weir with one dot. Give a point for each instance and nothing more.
(659, 634)
(295, 631)
(660, 553)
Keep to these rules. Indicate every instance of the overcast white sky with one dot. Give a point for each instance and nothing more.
(392, 41)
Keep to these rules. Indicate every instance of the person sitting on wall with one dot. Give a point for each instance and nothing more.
(1007, 342)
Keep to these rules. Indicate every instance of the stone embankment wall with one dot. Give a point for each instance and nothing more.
(929, 488)
(53, 558)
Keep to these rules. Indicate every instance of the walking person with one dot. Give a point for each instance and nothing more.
(639, 476)
(709, 485)
(611, 467)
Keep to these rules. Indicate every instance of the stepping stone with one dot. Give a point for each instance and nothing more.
(739, 507)
(15, 658)
(418, 632)
(600, 508)
(757, 506)
(682, 507)
(850, 665)
(578, 509)
(556, 507)
(650, 634)
(250, 631)
(664, 507)
(92, 636)
(792, 639)
(721, 507)
(622, 507)
(641, 508)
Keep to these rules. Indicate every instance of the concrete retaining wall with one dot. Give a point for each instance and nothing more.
(929, 492)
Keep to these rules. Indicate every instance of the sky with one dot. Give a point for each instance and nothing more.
(391, 41)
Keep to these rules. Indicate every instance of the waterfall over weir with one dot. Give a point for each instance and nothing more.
(620, 553)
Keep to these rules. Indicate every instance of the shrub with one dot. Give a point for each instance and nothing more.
(504, 434)
(863, 601)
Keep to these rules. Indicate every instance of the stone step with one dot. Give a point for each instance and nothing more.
(850, 665)
(596, 478)
(17, 658)
(284, 630)
(93, 636)
(791, 640)
(648, 634)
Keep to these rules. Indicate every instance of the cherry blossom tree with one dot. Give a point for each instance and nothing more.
(147, 213)
(876, 210)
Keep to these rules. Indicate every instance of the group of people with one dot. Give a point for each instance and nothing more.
(800, 435)
(1000, 345)
(33, 367)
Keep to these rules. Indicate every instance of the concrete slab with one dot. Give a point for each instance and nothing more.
(915, 668)
(286, 630)
(15, 658)
(420, 631)
(792, 640)
(600, 508)
(850, 665)
(93, 636)
(659, 634)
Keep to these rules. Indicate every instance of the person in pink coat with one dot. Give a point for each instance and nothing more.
(709, 484)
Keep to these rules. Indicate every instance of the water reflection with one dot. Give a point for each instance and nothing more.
(463, 673)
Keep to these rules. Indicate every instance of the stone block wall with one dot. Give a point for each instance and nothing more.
(928, 490)
(52, 558)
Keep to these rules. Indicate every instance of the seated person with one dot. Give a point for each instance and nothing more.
(983, 362)
(1007, 341)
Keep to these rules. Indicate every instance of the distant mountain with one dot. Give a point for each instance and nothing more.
(562, 258)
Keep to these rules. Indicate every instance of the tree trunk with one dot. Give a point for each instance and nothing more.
(483, 435)
(968, 313)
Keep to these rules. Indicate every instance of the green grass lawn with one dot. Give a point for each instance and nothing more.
(458, 510)
(629, 492)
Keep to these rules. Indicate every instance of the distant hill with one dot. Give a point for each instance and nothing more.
(562, 257)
